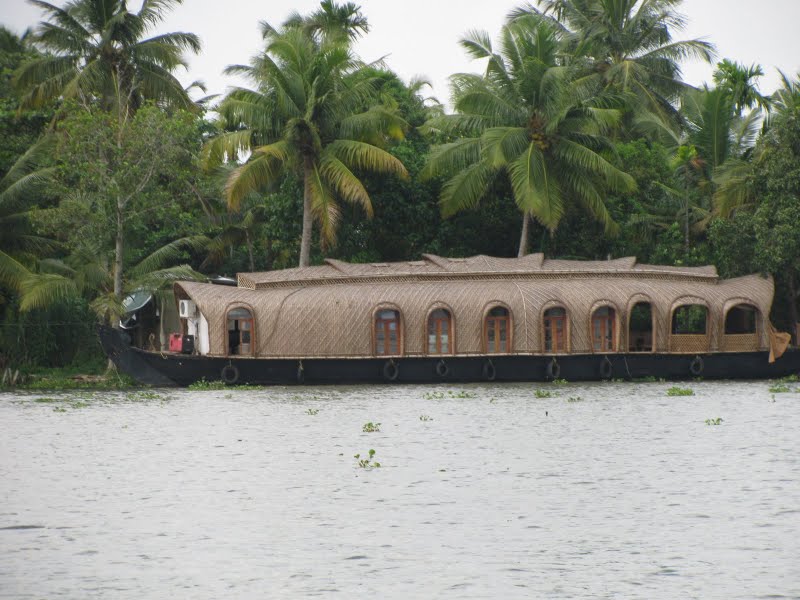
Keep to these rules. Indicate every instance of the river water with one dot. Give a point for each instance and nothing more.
(609, 490)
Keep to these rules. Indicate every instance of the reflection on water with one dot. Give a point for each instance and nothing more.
(602, 490)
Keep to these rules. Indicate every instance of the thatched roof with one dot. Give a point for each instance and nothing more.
(300, 312)
(434, 267)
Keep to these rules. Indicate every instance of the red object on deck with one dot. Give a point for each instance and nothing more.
(175, 342)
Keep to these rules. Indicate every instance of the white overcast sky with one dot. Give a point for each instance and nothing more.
(420, 37)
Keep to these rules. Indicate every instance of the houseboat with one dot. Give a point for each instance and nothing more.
(466, 319)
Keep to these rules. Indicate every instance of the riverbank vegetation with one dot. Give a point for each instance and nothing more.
(575, 136)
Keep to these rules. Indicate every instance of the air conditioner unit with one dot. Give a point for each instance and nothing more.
(186, 309)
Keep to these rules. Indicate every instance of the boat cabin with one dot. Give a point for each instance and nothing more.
(477, 306)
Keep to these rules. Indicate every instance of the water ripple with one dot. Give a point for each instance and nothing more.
(246, 494)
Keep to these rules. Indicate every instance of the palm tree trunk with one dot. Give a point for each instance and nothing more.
(119, 247)
(305, 242)
(249, 243)
(523, 240)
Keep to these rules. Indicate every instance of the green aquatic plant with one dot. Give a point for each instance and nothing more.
(779, 388)
(716, 421)
(144, 396)
(790, 379)
(312, 411)
(58, 383)
(450, 394)
(367, 463)
(425, 418)
(203, 384)
(371, 427)
(540, 393)
(679, 391)
(574, 399)
(46, 400)
(560, 381)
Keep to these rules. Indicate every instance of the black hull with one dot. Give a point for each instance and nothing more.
(157, 369)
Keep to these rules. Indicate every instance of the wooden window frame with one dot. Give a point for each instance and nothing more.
(400, 327)
(566, 330)
(508, 318)
(613, 317)
(450, 332)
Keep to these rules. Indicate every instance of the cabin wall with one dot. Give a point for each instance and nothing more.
(337, 320)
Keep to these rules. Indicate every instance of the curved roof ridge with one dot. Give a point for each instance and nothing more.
(480, 266)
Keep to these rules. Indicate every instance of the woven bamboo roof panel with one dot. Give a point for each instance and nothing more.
(436, 267)
(310, 317)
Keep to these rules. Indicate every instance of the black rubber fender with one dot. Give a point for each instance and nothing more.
(697, 366)
(229, 374)
(553, 369)
(489, 370)
(606, 368)
(442, 370)
(391, 370)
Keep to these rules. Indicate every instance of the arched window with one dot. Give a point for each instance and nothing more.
(240, 332)
(689, 329)
(497, 330)
(555, 330)
(440, 332)
(741, 329)
(741, 319)
(689, 319)
(604, 329)
(640, 328)
(388, 336)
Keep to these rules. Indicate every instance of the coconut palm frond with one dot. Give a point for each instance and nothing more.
(372, 125)
(42, 290)
(260, 171)
(465, 189)
(156, 280)
(447, 159)
(344, 183)
(12, 272)
(366, 157)
(171, 252)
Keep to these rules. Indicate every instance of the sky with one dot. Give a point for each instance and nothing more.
(420, 38)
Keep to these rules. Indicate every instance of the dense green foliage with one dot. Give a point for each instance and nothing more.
(111, 180)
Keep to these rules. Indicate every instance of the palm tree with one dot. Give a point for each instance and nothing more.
(96, 51)
(306, 116)
(233, 230)
(739, 81)
(629, 45)
(86, 273)
(20, 191)
(332, 22)
(530, 120)
(711, 161)
(786, 100)
(736, 178)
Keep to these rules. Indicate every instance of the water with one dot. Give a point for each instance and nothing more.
(244, 494)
